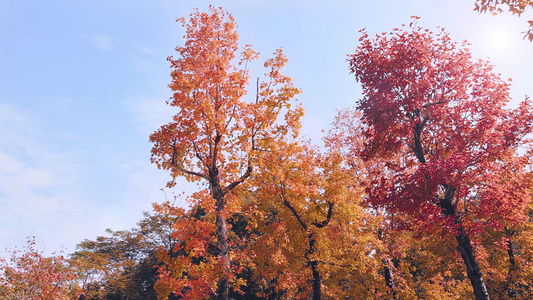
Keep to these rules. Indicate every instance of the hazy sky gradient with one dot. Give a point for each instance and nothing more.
(83, 84)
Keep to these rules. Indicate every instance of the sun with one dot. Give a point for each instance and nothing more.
(499, 40)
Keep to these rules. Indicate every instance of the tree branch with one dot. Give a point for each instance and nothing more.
(218, 137)
(417, 147)
(238, 181)
(328, 218)
(434, 103)
(175, 164)
(190, 172)
(291, 208)
(195, 151)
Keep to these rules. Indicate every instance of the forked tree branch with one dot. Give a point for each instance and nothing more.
(238, 181)
(291, 208)
(328, 218)
(175, 164)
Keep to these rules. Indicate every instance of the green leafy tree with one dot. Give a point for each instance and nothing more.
(123, 264)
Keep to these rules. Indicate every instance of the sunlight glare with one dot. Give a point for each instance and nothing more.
(499, 41)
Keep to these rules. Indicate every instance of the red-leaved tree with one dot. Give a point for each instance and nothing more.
(445, 150)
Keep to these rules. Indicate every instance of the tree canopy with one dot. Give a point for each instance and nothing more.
(421, 190)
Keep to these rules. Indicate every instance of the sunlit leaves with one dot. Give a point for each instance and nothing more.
(517, 7)
(438, 142)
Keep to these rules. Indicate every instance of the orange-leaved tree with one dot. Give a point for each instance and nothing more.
(216, 133)
(28, 274)
(446, 150)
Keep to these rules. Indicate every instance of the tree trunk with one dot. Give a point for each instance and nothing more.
(389, 276)
(317, 293)
(448, 209)
(317, 284)
(510, 253)
(464, 246)
(509, 284)
(472, 267)
(223, 245)
(317, 279)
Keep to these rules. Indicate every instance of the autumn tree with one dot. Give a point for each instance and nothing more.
(28, 274)
(420, 267)
(445, 149)
(516, 7)
(216, 133)
(296, 182)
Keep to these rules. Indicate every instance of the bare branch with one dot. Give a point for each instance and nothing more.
(175, 163)
(434, 103)
(257, 91)
(215, 151)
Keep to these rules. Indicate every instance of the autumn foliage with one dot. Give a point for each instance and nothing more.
(28, 274)
(122, 264)
(216, 135)
(450, 154)
(516, 7)
(422, 189)
(437, 121)
(431, 154)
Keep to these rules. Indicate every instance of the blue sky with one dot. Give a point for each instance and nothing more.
(83, 84)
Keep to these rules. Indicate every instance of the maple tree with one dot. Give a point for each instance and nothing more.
(297, 184)
(445, 150)
(421, 267)
(30, 275)
(517, 7)
(216, 134)
(190, 269)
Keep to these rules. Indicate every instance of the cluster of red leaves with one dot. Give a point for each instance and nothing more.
(30, 275)
(433, 118)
